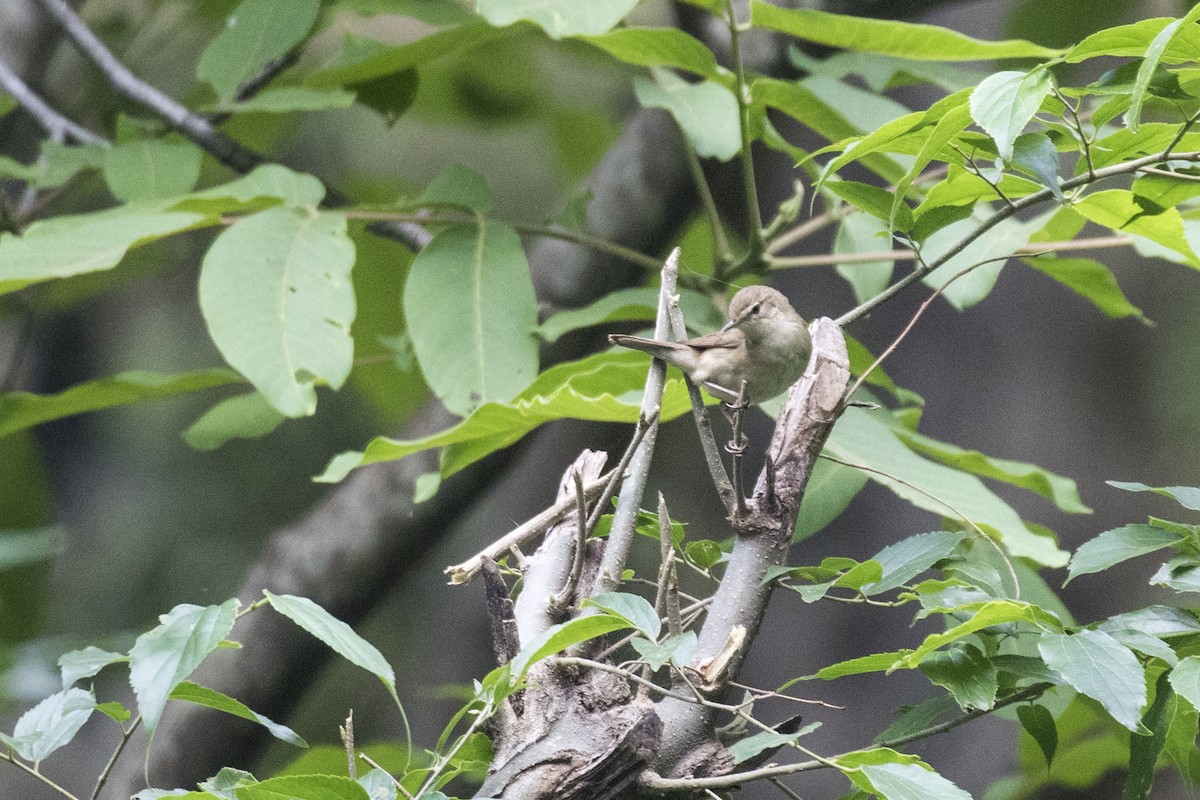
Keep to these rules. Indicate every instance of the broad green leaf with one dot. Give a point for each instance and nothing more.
(558, 18)
(1181, 574)
(226, 781)
(276, 295)
(367, 60)
(626, 305)
(246, 416)
(50, 724)
(988, 250)
(704, 553)
(1055, 488)
(559, 637)
(888, 37)
(661, 47)
(707, 112)
(163, 657)
(1142, 642)
(287, 99)
(864, 233)
(335, 633)
(993, 612)
(1038, 722)
(256, 33)
(1120, 210)
(867, 438)
(210, 698)
(21, 410)
(952, 120)
(876, 201)
(1185, 680)
(752, 746)
(877, 662)
(966, 673)
(56, 164)
(1098, 666)
(923, 715)
(1035, 155)
(19, 547)
(1161, 621)
(830, 489)
(1133, 40)
(269, 180)
(1117, 545)
(908, 558)
(79, 664)
(1149, 66)
(1145, 750)
(388, 95)
(471, 313)
(677, 650)
(631, 607)
(1089, 279)
(1186, 496)
(1004, 103)
(458, 185)
(151, 169)
(304, 787)
(73, 244)
(181, 794)
(910, 782)
(603, 388)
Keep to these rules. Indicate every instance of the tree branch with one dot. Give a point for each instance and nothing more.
(54, 123)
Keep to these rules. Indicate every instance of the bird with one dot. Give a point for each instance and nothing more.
(765, 343)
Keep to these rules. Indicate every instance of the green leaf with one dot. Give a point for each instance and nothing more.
(1096, 665)
(1117, 545)
(1055, 488)
(989, 251)
(1161, 621)
(631, 607)
(626, 305)
(1185, 680)
(1004, 103)
(50, 724)
(246, 416)
(829, 491)
(461, 186)
(558, 18)
(1121, 210)
(74, 244)
(1145, 750)
(21, 410)
(151, 169)
(471, 313)
(1035, 155)
(1186, 496)
(661, 47)
(1133, 40)
(388, 95)
(21, 547)
(335, 633)
(677, 650)
(966, 673)
(365, 60)
(986, 615)
(887, 37)
(210, 698)
(752, 746)
(877, 662)
(304, 787)
(868, 438)
(707, 112)
(256, 33)
(1038, 722)
(1149, 66)
(1181, 574)
(1090, 279)
(79, 664)
(864, 233)
(909, 782)
(559, 637)
(267, 181)
(288, 99)
(908, 558)
(163, 657)
(876, 201)
(704, 553)
(605, 387)
(276, 295)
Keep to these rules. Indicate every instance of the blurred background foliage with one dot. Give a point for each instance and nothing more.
(144, 521)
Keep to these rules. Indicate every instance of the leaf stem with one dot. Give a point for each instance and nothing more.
(757, 245)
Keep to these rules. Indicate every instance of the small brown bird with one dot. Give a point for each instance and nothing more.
(765, 343)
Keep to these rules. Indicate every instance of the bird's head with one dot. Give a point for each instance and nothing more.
(758, 309)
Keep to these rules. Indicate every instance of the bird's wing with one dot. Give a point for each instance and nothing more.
(719, 340)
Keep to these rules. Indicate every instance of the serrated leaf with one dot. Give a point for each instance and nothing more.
(707, 112)
(966, 673)
(1034, 154)
(21, 410)
(276, 296)
(1185, 680)
(634, 608)
(211, 698)
(1100, 667)
(1186, 496)
(151, 169)
(704, 553)
(163, 657)
(1149, 66)
(559, 637)
(471, 312)
(1038, 722)
(751, 746)
(246, 416)
(256, 33)
(558, 18)
(1132, 41)
(335, 633)
(661, 47)
(676, 650)
(1057, 489)
(1089, 279)
(1145, 750)
(987, 615)
(85, 663)
(909, 782)
(304, 787)
(908, 558)
(888, 37)
(50, 724)
(1117, 545)
(1004, 103)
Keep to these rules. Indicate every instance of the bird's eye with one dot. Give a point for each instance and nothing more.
(754, 309)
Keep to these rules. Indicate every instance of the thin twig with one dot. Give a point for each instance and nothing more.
(803, 231)
(374, 764)
(720, 243)
(54, 123)
(1083, 137)
(561, 598)
(126, 735)
(36, 774)
(616, 476)
(829, 259)
(741, 89)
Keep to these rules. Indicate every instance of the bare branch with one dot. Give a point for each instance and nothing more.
(54, 123)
